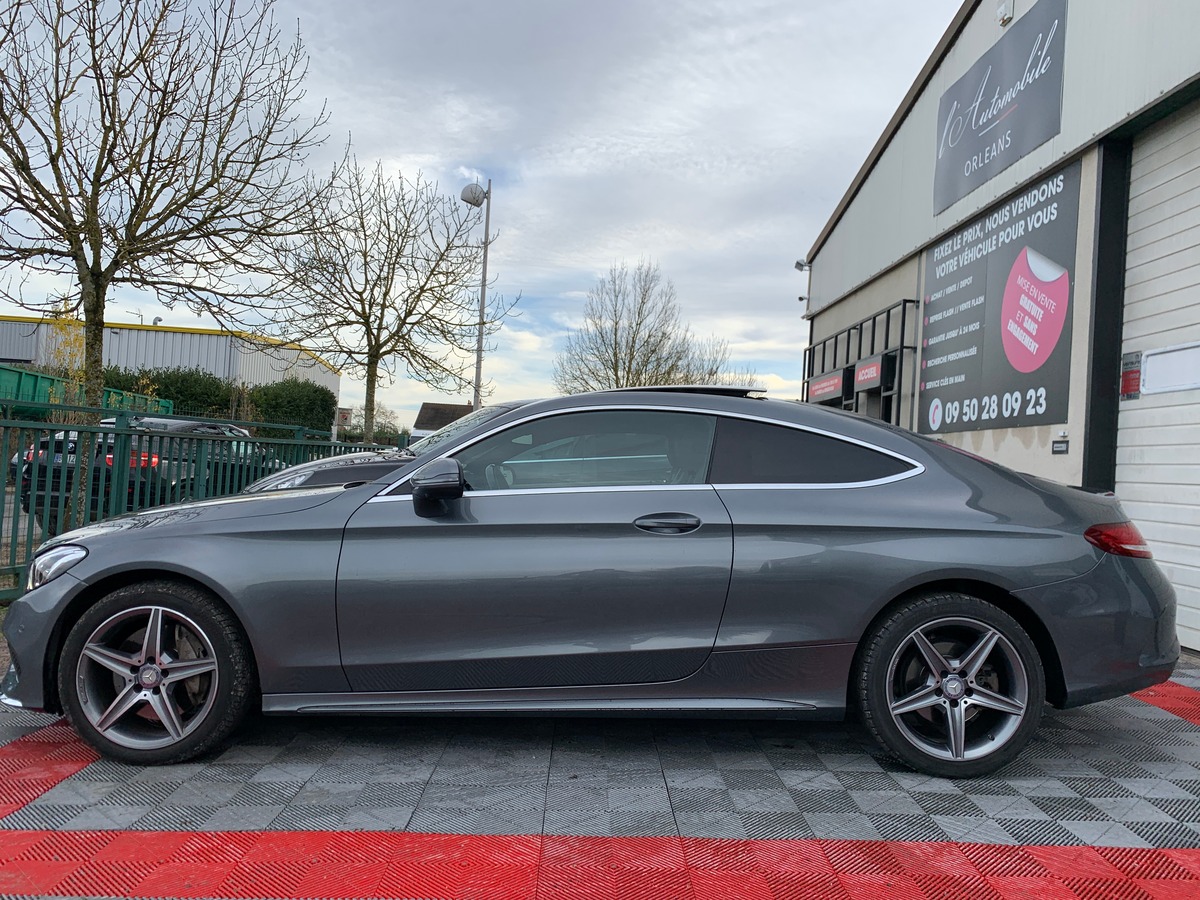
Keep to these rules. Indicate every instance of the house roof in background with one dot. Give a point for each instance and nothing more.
(433, 416)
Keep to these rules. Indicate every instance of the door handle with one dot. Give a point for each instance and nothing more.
(668, 523)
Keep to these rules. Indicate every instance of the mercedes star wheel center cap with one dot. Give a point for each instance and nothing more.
(954, 687)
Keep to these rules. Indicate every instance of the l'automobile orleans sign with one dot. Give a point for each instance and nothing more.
(1007, 104)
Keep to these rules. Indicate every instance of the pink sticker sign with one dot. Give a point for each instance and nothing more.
(1034, 311)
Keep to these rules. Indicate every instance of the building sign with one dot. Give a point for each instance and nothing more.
(1131, 375)
(868, 374)
(997, 312)
(1007, 104)
(826, 387)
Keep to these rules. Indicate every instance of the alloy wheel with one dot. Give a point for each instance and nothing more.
(957, 689)
(147, 677)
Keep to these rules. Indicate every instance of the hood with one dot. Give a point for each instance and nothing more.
(238, 506)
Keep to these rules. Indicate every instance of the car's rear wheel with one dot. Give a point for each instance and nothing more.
(951, 684)
(47, 521)
(156, 672)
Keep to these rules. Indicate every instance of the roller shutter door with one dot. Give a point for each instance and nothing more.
(1158, 434)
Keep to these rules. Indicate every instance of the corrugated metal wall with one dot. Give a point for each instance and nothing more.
(151, 347)
(1121, 57)
(265, 365)
(161, 348)
(1158, 471)
(19, 340)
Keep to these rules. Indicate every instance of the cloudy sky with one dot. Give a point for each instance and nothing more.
(714, 137)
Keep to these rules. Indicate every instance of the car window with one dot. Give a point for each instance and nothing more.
(750, 452)
(593, 449)
(470, 420)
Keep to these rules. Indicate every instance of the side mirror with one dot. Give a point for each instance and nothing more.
(434, 484)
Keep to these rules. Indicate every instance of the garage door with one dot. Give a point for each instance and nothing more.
(1158, 440)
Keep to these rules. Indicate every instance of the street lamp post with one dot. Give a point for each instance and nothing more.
(476, 196)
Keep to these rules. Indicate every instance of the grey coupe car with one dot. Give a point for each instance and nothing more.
(636, 552)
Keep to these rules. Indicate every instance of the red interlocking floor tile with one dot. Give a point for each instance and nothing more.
(254, 864)
(1174, 698)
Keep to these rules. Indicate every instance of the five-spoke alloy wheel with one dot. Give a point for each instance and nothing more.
(952, 685)
(155, 672)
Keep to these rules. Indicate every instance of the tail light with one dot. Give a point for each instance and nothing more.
(137, 460)
(1120, 538)
(29, 454)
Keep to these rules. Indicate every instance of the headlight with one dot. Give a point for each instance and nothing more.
(49, 565)
(282, 483)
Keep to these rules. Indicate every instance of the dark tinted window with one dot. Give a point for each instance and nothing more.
(593, 449)
(749, 452)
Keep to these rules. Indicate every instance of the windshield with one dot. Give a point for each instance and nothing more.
(470, 420)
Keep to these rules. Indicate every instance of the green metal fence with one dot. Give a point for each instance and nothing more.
(23, 392)
(58, 475)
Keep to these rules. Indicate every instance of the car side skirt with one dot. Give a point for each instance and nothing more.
(808, 681)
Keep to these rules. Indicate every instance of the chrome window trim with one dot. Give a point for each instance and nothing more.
(822, 485)
(590, 489)
(917, 468)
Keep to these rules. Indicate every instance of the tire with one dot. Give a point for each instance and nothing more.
(50, 522)
(156, 672)
(951, 685)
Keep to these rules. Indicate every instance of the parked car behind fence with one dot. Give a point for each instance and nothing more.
(151, 462)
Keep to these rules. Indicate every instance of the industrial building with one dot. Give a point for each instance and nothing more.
(235, 357)
(1015, 268)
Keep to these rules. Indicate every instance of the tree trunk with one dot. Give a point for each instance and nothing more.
(369, 402)
(92, 292)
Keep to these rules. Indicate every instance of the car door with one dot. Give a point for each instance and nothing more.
(582, 552)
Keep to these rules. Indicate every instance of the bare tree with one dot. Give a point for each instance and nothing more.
(148, 143)
(632, 336)
(387, 277)
(387, 423)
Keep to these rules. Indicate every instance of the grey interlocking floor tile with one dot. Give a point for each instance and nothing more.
(326, 793)
(175, 818)
(907, 828)
(1105, 834)
(777, 825)
(996, 806)
(106, 818)
(297, 817)
(379, 818)
(37, 818)
(390, 794)
(841, 826)
(605, 823)
(711, 825)
(886, 803)
(945, 804)
(1119, 773)
(763, 800)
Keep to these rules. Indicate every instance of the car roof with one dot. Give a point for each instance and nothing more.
(737, 401)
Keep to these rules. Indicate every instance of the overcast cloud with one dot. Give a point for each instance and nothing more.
(712, 137)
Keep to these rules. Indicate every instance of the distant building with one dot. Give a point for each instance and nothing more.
(433, 416)
(236, 357)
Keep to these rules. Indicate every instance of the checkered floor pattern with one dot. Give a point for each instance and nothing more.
(1104, 802)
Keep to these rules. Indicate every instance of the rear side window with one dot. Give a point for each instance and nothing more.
(749, 452)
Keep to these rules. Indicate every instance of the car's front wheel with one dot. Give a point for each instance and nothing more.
(951, 684)
(156, 672)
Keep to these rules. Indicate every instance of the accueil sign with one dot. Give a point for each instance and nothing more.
(1006, 105)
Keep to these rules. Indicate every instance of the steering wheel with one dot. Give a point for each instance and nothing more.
(498, 477)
